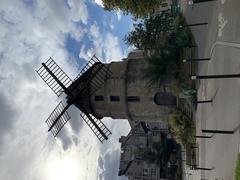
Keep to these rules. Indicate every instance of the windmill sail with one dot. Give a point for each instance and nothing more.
(90, 78)
(57, 119)
(97, 126)
(98, 76)
(54, 77)
(90, 63)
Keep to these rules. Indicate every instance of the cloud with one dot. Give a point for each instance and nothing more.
(99, 2)
(65, 138)
(111, 149)
(112, 48)
(97, 40)
(76, 121)
(86, 54)
(119, 15)
(100, 163)
(106, 46)
(30, 32)
(78, 11)
(8, 116)
(118, 12)
(111, 163)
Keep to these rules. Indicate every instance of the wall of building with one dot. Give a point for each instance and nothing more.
(165, 6)
(127, 82)
(137, 85)
(113, 86)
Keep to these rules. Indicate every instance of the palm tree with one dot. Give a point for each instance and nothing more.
(161, 67)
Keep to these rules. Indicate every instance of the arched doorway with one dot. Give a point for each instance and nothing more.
(165, 98)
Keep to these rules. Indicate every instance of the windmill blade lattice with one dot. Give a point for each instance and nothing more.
(97, 126)
(90, 63)
(99, 75)
(89, 80)
(57, 119)
(58, 83)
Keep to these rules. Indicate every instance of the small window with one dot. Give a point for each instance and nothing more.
(114, 98)
(133, 98)
(99, 98)
(153, 172)
(164, 4)
(154, 134)
(136, 178)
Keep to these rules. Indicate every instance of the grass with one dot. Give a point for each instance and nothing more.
(237, 170)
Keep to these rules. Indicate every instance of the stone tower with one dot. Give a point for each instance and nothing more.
(126, 95)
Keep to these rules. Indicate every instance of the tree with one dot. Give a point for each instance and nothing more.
(138, 8)
(163, 40)
(160, 67)
(162, 32)
(151, 33)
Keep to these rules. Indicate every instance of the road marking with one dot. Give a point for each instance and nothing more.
(221, 24)
(222, 43)
(223, 1)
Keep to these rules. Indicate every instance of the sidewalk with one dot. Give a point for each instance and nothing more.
(189, 174)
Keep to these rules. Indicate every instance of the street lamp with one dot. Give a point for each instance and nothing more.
(191, 2)
(219, 76)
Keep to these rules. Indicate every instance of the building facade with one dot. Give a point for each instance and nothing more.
(132, 163)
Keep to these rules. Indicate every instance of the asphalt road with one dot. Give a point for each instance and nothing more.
(220, 40)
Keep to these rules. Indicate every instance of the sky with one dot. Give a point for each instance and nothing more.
(70, 31)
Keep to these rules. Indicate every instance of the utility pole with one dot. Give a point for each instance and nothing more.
(215, 76)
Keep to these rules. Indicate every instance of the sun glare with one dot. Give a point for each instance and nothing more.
(64, 168)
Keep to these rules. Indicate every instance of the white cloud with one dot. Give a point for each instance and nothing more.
(112, 48)
(97, 40)
(105, 46)
(29, 34)
(86, 54)
(99, 2)
(119, 15)
(78, 10)
(118, 12)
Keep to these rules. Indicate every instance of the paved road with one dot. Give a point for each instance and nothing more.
(220, 40)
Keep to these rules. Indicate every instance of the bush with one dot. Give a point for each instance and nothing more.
(183, 129)
(237, 170)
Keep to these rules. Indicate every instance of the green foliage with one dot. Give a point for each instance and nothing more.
(237, 170)
(161, 32)
(160, 67)
(162, 38)
(183, 129)
(151, 33)
(183, 34)
(138, 8)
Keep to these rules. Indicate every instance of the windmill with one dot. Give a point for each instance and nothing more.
(89, 80)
